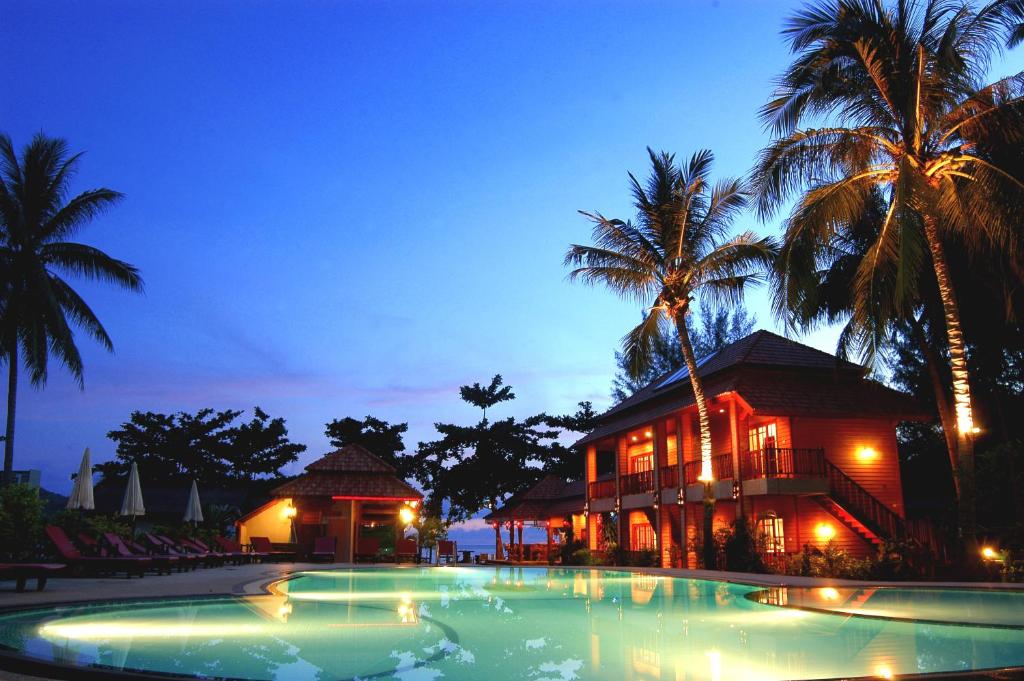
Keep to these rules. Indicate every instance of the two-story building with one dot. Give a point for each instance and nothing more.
(803, 445)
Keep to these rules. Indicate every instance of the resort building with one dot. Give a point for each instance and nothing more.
(339, 496)
(803, 446)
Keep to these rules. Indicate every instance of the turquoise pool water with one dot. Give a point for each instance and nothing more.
(533, 624)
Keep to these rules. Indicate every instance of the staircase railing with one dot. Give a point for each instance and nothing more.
(875, 515)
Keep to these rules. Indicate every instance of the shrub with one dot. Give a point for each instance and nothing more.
(831, 561)
(21, 522)
(643, 558)
(568, 550)
(742, 550)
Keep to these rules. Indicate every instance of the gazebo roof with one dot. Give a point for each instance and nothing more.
(351, 472)
(551, 496)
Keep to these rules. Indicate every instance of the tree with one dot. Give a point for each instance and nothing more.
(380, 437)
(38, 307)
(474, 467)
(898, 91)
(205, 446)
(564, 461)
(713, 331)
(674, 252)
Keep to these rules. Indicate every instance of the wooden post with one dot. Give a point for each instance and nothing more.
(658, 448)
(680, 459)
(734, 435)
(549, 539)
(519, 551)
(621, 454)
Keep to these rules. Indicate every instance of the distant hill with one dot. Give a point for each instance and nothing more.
(54, 502)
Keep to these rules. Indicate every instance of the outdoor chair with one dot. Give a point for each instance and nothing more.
(159, 563)
(235, 557)
(90, 546)
(263, 545)
(325, 548)
(235, 547)
(406, 548)
(367, 549)
(446, 550)
(209, 559)
(182, 563)
(186, 560)
(22, 572)
(96, 564)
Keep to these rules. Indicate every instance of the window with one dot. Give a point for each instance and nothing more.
(642, 536)
(762, 436)
(769, 525)
(641, 464)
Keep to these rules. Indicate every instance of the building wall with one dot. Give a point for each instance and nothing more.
(270, 522)
(845, 440)
(801, 517)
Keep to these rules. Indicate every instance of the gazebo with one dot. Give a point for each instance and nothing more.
(553, 503)
(339, 494)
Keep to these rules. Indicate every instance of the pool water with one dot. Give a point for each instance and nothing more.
(534, 624)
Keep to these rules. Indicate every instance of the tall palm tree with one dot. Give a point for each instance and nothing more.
(897, 91)
(675, 251)
(37, 306)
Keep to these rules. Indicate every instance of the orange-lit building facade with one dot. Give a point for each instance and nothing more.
(803, 446)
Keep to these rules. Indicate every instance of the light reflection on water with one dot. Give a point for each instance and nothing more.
(513, 623)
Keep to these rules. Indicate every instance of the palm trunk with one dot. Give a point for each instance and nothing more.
(12, 396)
(961, 382)
(704, 419)
(931, 361)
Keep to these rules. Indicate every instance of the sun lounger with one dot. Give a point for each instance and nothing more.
(325, 548)
(187, 560)
(161, 563)
(446, 550)
(22, 572)
(210, 559)
(236, 557)
(235, 547)
(263, 545)
(71, 555)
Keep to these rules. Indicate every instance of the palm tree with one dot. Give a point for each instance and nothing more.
(676, 250)
(898, 93)
(37, 306)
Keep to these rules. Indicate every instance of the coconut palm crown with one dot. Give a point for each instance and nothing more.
(37, 306)
(898, 97)
(677, 249)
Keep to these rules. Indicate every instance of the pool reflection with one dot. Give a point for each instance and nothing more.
(506, 623)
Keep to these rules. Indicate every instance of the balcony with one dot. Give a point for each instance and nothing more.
(721, 469)
(637, 483)
(602, 489)
(784, 470)
(669, 476)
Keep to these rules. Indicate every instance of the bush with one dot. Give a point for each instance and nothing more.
(568, 550)
(644, 558)
(582, 557)
(21, 522)
(742, 550)
(831, 561)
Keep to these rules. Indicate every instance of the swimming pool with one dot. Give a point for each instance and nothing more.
(535, 624)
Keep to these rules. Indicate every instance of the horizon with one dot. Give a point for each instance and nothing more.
(353, 209)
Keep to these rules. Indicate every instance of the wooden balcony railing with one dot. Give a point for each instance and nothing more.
(782, 462)
(721, 469)
(637, 483)
(669, 476)
(601, 489)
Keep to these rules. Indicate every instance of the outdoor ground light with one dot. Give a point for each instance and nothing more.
(989, 553)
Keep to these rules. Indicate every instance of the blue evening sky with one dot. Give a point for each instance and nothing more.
(351, 208)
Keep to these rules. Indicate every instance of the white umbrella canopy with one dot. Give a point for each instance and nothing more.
(81, 495)
(194, 512)
(132, 504)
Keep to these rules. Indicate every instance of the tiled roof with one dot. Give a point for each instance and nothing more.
(351, 471)
(551, 496)
(351, 458)
(775, 376)
(761, 348)
(331, 484)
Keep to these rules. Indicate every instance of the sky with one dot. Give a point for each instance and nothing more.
(352, 208)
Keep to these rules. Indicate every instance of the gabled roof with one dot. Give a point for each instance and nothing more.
(774, 376)
(761, 348)
(551, 496)
(351, 459)
(352, 471)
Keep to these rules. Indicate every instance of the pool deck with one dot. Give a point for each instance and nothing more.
(252, 579)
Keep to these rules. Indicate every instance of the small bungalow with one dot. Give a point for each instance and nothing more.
(338, 496)
(554, 504)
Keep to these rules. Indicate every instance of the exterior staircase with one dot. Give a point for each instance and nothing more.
(858, 509)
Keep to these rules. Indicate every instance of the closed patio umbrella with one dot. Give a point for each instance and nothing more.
(81, 494)
(132, 504)
(194, 512)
